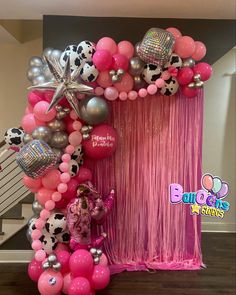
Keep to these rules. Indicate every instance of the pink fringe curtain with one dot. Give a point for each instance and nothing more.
(160, 142)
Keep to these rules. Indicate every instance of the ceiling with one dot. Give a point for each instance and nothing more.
(198, 9)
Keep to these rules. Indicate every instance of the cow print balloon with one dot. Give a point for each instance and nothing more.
(73, 168)
(78, 154)
(75, 60)
(151, 73)
(63, 237)
(171, 87)
(86, 49)
(89, 72)
(49, 243)
(175, 61)
(56, 223)
(14, 137)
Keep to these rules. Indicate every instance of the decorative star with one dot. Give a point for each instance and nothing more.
(195, 209)
(64, 84)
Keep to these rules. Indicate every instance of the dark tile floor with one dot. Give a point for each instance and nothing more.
(219, 277)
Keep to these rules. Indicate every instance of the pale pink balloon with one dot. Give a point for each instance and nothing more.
(41, 111)
(132, 95)
(152, 89)
(104, 79)
(66, 282)
(100, 277)
(204, 69)
(120, 61)
(107, 43)
(126, 48)
(184, 46)
(185, 76)
(62, 187)
(40, 255)
(31, 182)
(142, 92)
(189, 92)
(75, 138)
(51, 179)
(175, 32)
(50, 205)
(28, 123)
(200, 51)
(123, 96)
(35, 270)
(160, 83)
(102, 59)
(44, 195)
(103, 260)
(99, 91)
(111, 93)
(81, 263)
(126, 84)
(79, 286)
(50, 282)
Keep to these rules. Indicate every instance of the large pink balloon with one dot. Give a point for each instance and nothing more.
(35, 270)
(126, 83)
(51, 179)
(44, 195)
(31, 182)
(28, 123)
(204, 69)
(67, 279)
(207, 181)
(184, 46)
(104, 79)
(102, 59)
(81, 263)
(71, 188)
(79, 286)
(126, 48)
(83, 175)
(107, 43)
(50, 282)
(189, 92)
(100, 277)
(102, 142)
(41, 111)
(63, 257)
(175, 32)
(200, 51)
(185, 76)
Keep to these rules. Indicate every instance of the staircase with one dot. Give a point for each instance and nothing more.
(15, 199)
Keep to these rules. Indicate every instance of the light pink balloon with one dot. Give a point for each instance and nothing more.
(189, 92)
(28, 123)
(120, 61)
(126, 48)
(35, 270)
(75, 138)
(200, 51)
(67, 279)
(41, 111)
(81, 263)
(31, 182)
(100, 277)
(204, 69)
(104, 79)
(44, 195)
(207, 181)
(102, 59)
(126, 84)
(107, 43)
(111, 93)
(50, 282)
(185, 76)
(103, 260)
(175, 32)
(51, 179)
(79, 286)
(184, 46)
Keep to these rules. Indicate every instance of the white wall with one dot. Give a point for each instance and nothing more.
(219, 141)
(13, 82)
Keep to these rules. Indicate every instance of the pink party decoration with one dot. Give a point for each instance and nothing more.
(37, 245)
(107, 43)
(50, 205)
(63, 257)
(126, 84)
(123, 96)
(79, 286)
(184, 46)
(100, 277)
(165, 75)
(102, 59)
(77, 125)
(185, 76)
(41, 111)
(71, 187)
(66, 158)
(31, 182)
(152, 89)
(45, 214)
(102, 142)
(204, 69)
(56, 196)
(70, 149)
(132, 95)
(35, 270)
(200, 51)
(51, 179)
(28, 123)
(84, 175)
(64, 167)
(99, 90)
(142, 92)
(104, 79)
(44, 195)
(111, 93)
(81, 263)
(62, 188)
(40, 255)
(48, 95)
(40, 223)
(160, 83)
(73, 115)
(75, 138)
(103, 260)
(50, 282)
(175, 32)
(65, 177)
(126, 48)
(120, 61)
(66, 283)
(189, 92)
(36, 234)
(34, 97)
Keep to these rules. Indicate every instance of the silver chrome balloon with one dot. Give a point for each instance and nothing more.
(93, 110)
(42, 133)
(35, 61)
(189, 62)
(32, 219)
(27, 138)
(34, 72)
(59, 140)
(52, 258)
(47, 52)
(136, 48)
(136, 66)
(138, 83)
(56, 266)
(56, 53)
(37, 208)
(58, 152)
(28, 235)
(57, 125)
(38, 80)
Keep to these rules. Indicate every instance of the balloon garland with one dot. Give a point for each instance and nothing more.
(64, 125)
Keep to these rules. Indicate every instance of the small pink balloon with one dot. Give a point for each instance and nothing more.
(120, 61)
(36, 234)
(132, 95)
(81, 263)
(103, 260)
(185, 76)
(34, 97)
(50, 205)
(66, 158)
(100, 277)
(75, 138)
(126, 48)
(184, 46)
(41, 111)
(28, 123)
(67, 279)
(204, 69)
(99, 91)
(83, 175)
(160, 83)
(45, 214)
(189, 92)
(51, 179)
(50, 282)
(207, 181)
(31, 182)
(107, 43)
(152, 89)
(102, 59)
(104, 79)
(37, 245)
(64, 167)
(79, 286)
(44, 195)
(65, 177)
(111, 93)
(126, 84)
(63, 257)
(142, 92)
(56, 196)
(35, 270)
(175, 32)
(62, 187)
(123, 96)
(200, 51)
(40, 255)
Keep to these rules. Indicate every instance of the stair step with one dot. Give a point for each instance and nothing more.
(12, 218)
(28, 199)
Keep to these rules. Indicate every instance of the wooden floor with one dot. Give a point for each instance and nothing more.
(219, 277)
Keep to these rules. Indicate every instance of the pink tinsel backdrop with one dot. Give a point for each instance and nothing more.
(160, 142)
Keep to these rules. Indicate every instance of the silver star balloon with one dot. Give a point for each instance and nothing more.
(65, 84)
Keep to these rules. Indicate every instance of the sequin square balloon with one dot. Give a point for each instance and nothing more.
(156, 46)
(36, 158)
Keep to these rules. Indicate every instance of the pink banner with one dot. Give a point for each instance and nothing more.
(160, 142)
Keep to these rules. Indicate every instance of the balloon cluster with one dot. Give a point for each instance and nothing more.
(215, 186)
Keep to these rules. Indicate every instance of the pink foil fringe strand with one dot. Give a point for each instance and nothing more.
(160, 142)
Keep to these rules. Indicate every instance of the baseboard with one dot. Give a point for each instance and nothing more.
(16, 256)
(218, 227)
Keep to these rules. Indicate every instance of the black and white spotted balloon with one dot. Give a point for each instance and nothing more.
(175, 61)
(73, 168)
(78, 154)
(14, 137)
(63, 237)
(86, 50)
(151, 73)
(89, 72)
(49, 242)
(75, 60)
(56, 223)
(171, 87)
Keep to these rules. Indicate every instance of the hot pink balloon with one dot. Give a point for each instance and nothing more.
(67, 279)
(51, 179)
(62, 204)
(81, 263)
(79, 286)
(41, 111)
(102, 59)
(103, 260)
(175, 32)
(62, 247)
(35, 270)
(223, 191)
(204, 69)
(44, 195)
(207, 181)
(28, 123)
(63, 257)
(200, 51)
(50, 282)
(185, 76)
(31, 182)
(102, 142)
(189, 92)
(126, 84)
(34, 97)
(72, 188)
(184, 46)
(120, 61)
(83, 175)
(107, 43)
(104, 79)
(126, 48)
(100, 277)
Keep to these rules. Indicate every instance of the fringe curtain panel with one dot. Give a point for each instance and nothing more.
(160, 142)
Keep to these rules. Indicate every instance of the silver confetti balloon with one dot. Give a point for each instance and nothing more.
(57, 125)
(42, 133)
(93, 110)
(136, 66)
(34, 72)
(36, 207)
(38, 80)
(156, 46)
(189, 62)
(59, 140)
(27, 138)
(36, 61)
(36, 158)
(139, 83)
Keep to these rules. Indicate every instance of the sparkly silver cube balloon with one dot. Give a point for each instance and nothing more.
(36, 158)
(156, 46)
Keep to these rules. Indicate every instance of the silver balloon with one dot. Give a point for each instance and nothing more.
(59, 140)
(93, 110)
(46, 265)
(32, 219)
(36, 61)
(58, 152)
(28, 235)
(46, 72)
(52, 258)
(42, 133)
(93, 251)
(138, 83)
(189, 62)
(38, 80)
(99, 252)
(47, 52)
(34, 72)
(136, 66)
(96, 260)
(56, 53)
(136, 48)
(36, 207)
(57, 266)
(57, 125)
(27, 138)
